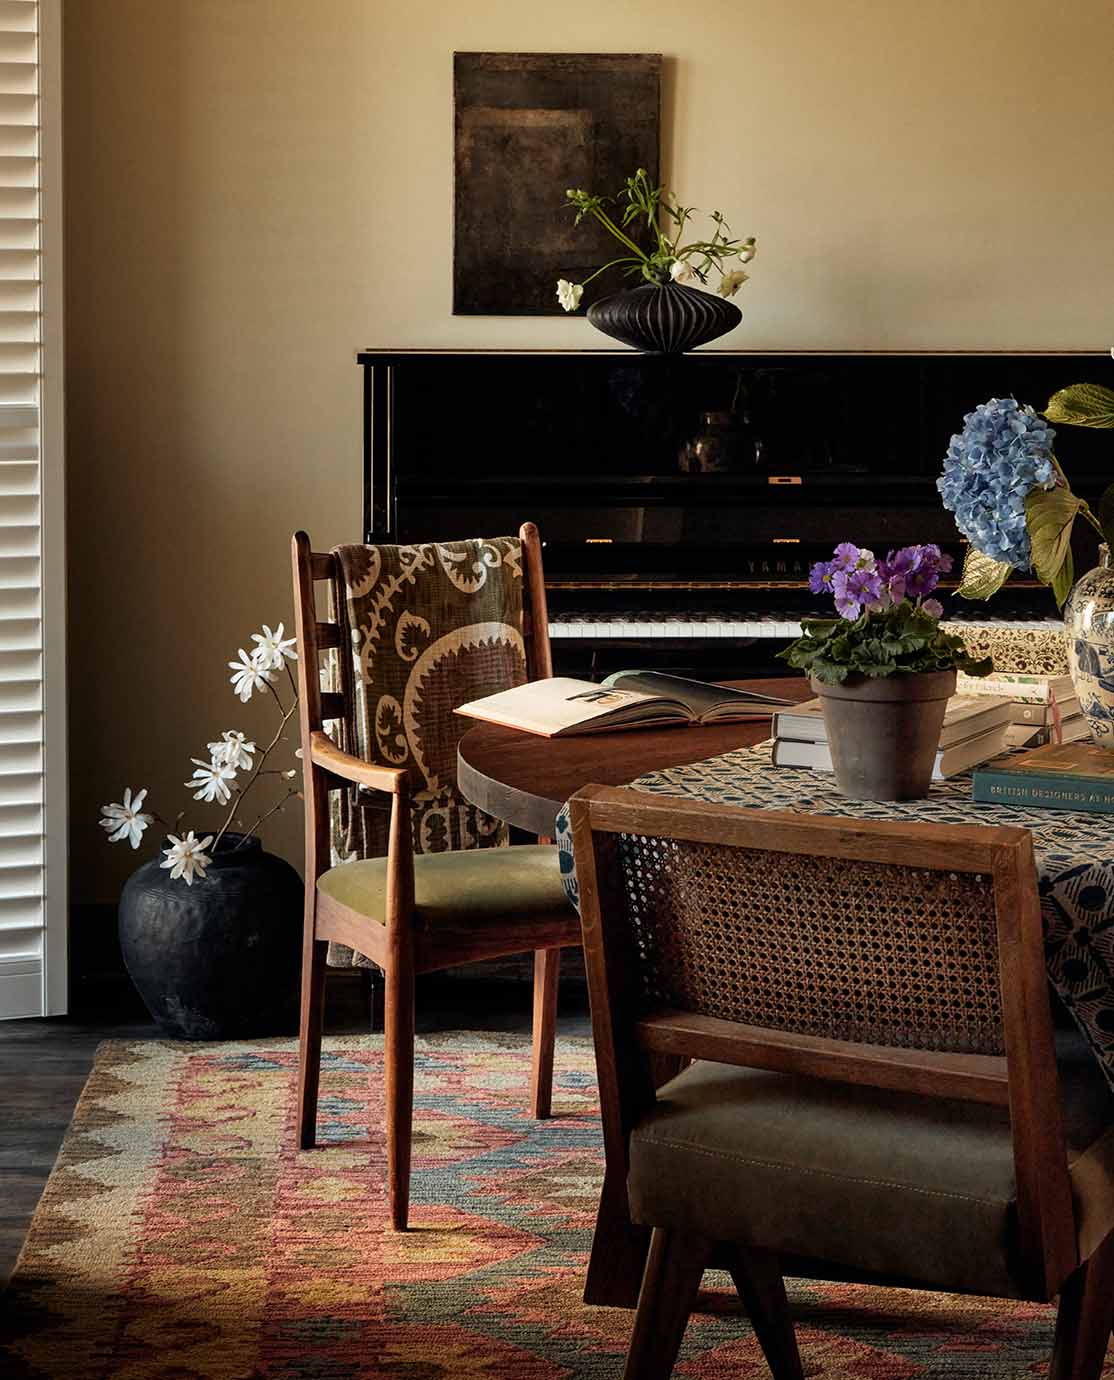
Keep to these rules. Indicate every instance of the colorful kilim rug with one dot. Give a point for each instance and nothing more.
(182, 1236)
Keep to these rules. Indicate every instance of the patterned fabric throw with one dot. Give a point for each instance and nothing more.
(431, 627)
(182, 1237)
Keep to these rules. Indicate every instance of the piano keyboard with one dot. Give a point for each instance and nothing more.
(646, 626)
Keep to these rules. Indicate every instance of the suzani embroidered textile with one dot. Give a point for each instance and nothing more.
(1074, 856)
(429, 627)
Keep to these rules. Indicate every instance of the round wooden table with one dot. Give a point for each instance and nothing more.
(525, 780)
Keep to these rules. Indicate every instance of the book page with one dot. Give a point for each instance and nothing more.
(700, 697)
(561, 704)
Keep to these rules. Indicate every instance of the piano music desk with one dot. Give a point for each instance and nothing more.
(525, 780)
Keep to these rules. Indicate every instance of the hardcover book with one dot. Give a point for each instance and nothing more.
(1059, 776)
(1027, 689)
(965, 717)
(949, 761)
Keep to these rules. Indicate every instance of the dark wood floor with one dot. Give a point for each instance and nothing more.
(44, 1064)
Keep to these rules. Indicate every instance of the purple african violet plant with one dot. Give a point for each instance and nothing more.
(858, 580)
(888, 623)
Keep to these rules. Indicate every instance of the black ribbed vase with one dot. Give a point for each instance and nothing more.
(665, 320)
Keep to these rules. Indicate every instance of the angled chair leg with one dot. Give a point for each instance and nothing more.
(1084, 1318)
(398, 1071)
(547, 968)
(619, 1247)
(758, 1281)
(673, 1272)
(309, 1039)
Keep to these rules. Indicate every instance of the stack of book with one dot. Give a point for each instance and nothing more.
(975, 729)
(1045, 709)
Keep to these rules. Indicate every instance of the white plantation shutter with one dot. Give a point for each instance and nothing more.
(32, 791)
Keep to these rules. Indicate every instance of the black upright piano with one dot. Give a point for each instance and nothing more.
(682, 499)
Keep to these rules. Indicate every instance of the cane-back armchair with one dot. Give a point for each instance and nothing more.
(402, 869)
(877, 1091)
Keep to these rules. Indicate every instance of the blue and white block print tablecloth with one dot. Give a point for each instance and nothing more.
(1074, 856)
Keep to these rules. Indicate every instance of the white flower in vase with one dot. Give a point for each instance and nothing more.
(273, 649)
(126, 821)
(249, 676)
(233, 750)
(212, 780)
(730, 283)
(681, 271)
(186, 857)
(569, 294)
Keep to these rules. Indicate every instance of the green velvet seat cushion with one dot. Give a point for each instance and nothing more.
(461, 890)
(909, 1187)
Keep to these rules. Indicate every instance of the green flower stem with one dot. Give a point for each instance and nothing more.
(625, 259)
(1086, 511)
(609, 225)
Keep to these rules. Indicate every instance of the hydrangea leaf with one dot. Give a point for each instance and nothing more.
(1064, 579)
(1050, 514)
(982, 575)
(1083, 404)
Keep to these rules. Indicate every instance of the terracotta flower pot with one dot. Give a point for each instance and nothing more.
(884, 732)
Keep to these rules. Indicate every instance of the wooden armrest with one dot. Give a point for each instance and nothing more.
(326, 754)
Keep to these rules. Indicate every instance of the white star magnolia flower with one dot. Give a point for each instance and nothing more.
(212, 778)
(681, 271)
(730, 283)
(126, 821)
(569, 294)
(273, 648)
(233, 750)
(249, 676)
(186, 857)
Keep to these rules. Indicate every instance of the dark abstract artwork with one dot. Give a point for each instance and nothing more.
(529, 125)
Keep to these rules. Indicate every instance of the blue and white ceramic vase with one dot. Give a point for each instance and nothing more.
(1089, 623)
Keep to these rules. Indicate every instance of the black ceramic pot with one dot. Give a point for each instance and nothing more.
(220, 959)
(665, 320)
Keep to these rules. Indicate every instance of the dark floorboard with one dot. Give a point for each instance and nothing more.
(44, 1064)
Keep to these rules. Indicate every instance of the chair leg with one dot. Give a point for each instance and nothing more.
(547, 968)
(398, 1071)
(1084, 1318)
(309, 1039)
(758, 1281)
(673, 1272)
(619, 1247)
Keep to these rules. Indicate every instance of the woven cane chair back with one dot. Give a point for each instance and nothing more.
(843, 948)
(899, 956)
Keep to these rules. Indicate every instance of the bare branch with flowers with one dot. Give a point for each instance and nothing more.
(216, 780)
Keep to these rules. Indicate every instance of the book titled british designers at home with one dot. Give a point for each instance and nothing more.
(560, 706)
(1060, 776)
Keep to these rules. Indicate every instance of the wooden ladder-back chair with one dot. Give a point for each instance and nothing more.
(415, 914)
(876, 1093)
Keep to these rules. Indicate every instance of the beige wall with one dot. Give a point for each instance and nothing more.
(257, 187)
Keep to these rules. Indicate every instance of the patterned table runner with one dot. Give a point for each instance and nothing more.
(1074, 856)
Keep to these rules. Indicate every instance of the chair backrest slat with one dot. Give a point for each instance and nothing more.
(902, 956)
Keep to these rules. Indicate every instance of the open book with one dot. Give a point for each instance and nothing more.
(561, 706)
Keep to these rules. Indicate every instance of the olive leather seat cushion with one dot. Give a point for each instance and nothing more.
(461, 890)
(908, 1187)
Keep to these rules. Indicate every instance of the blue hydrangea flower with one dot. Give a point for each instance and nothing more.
(1003, 452)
